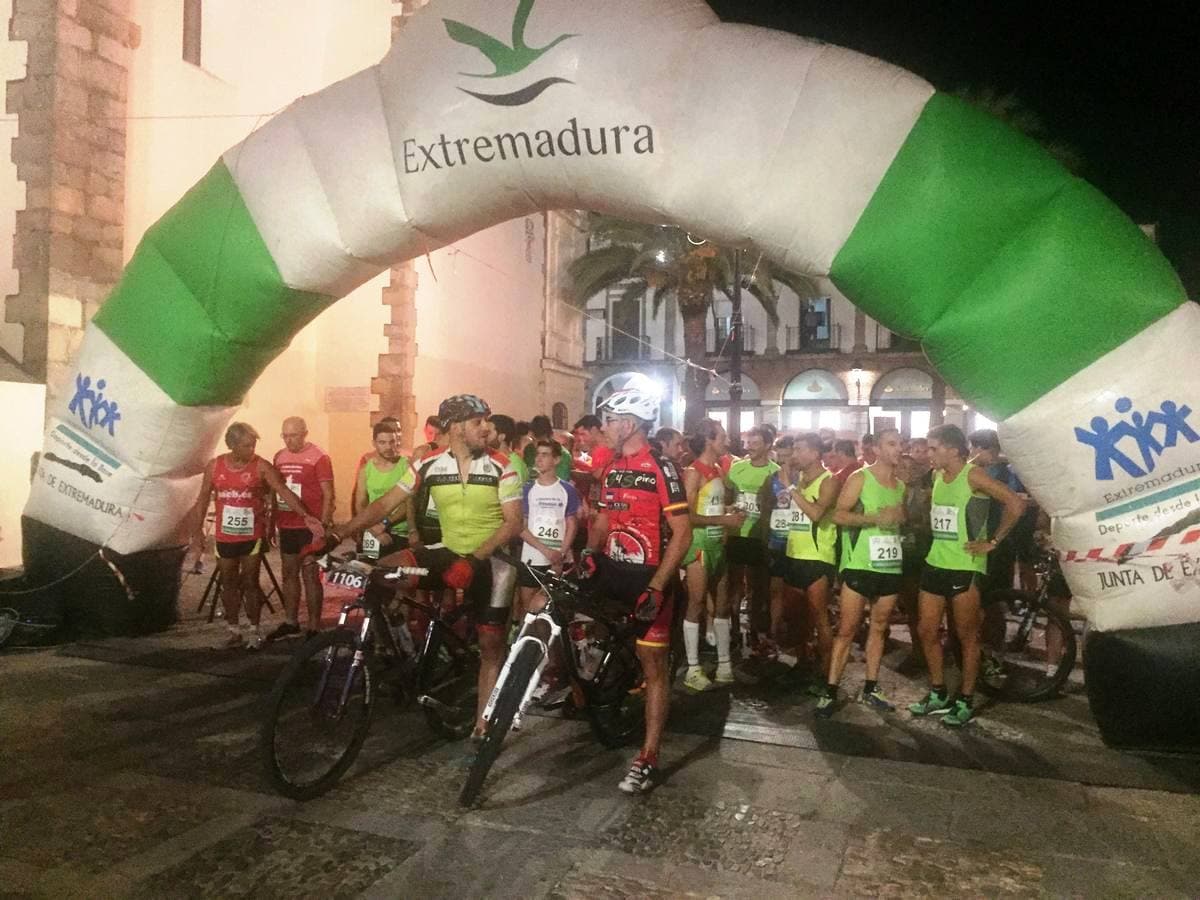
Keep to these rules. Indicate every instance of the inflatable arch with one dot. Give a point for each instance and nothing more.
(1031, 293)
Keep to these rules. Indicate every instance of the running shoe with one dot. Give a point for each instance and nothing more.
(825, 706)
(990, 667)
(816, 688)
(640, 777)
(959, 715)
(254, 640)
(724, 673)
(877, 700)
(284, 629)
(696, 680)
(934, 704)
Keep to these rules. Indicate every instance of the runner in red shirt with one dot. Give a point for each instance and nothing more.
(308, 472)
(239, 480)
(637, 541)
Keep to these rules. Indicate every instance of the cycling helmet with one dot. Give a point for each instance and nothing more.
(462, 407)
(632, 401)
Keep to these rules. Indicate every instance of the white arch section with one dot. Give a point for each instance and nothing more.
(1032, 295)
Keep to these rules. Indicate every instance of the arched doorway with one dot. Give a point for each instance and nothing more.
(815, 399)
(903, 399)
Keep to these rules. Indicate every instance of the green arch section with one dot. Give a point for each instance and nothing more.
(1014, 274)
(201, 307)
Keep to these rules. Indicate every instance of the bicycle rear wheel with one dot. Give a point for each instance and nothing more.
(505, 708)
(1031, 665)
(318, 716)
(448, 687)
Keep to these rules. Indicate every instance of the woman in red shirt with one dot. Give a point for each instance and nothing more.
(239, 481)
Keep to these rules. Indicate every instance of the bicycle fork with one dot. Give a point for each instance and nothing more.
(525, 637)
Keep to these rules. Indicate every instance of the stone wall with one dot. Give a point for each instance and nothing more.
(70, 153)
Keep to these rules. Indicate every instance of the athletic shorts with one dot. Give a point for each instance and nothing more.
(711, 552)
(525, 580)
(949, 582)
(623, 583)
(871, 585)
(238, 549)
(490, 608)
(293, 540)
(804, 573)
(777, 562)
(742, 551)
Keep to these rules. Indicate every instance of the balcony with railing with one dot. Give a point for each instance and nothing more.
(802, 339)
(619, 347)
(719, 342)
(889, 342)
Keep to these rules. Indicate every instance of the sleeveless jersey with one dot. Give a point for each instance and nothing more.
(241, 501)
(710, 500)
(304, 472)
(874, 548)
(747, 480)
(811, 540)
(379, 483)
(957, 515)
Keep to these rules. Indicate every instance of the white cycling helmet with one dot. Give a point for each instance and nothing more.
(632, 401)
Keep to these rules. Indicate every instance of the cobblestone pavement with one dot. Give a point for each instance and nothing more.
(129, 768)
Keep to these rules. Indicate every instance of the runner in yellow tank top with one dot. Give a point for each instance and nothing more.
(958, 557)
(810, 547)
(870, 510)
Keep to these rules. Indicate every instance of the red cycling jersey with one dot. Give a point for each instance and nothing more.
(639, 492)
(241, 495)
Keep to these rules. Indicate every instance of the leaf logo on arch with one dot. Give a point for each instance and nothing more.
(505, 59)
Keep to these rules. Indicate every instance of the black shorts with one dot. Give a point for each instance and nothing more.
(871, 585)
(949, 583)
(804, 573)
(525, 580)
(238, 549)
(743, 551)
(293, 540)
(488, 607)
(621, 584)
(777, 563)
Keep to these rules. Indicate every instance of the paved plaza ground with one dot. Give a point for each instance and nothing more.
(128, 768)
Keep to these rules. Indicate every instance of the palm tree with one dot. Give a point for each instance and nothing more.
(662, 260)
(1013, 111)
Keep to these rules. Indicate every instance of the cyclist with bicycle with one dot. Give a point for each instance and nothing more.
(637, 541)
(477, 492)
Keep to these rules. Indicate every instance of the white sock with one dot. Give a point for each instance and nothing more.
(691, 643)
(722, 628)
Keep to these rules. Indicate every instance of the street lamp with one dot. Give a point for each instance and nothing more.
(735, 360)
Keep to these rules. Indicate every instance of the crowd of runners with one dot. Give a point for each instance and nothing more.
(753, 549)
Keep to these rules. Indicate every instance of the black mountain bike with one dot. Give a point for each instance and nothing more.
(320, 709)
(596, 647)
(1039, 648)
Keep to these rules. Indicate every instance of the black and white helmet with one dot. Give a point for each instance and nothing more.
(462, 408)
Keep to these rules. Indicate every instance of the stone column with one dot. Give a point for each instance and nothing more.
(860, 331)
(397, 367)
(70, 153)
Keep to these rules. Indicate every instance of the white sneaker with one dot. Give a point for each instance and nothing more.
(724, 673)
(696, 680)
(255, 640)
(233, 640)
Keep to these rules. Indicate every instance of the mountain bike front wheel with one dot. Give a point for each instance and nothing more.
(524, 664)
(1038, 654)
(318, 715)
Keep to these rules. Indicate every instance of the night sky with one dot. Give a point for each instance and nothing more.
(1121, 86)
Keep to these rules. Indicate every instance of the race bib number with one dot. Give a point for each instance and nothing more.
(886, 552)
(237, 520)
(345, 579)
(792, 519)
(549, 530)
(944, 522)
(294, 487)
(371, 545)
(749, 503)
